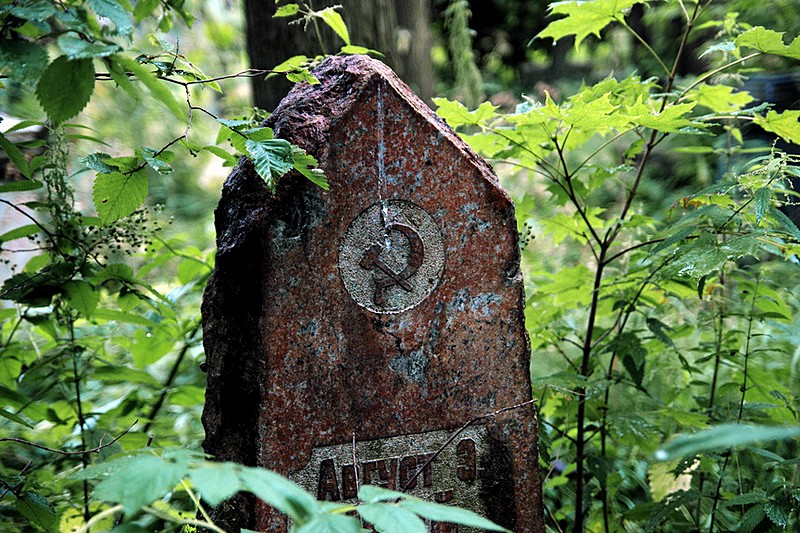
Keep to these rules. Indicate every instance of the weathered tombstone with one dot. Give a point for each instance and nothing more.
(387, 311)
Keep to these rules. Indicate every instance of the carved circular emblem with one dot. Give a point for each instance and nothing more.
(391, 257)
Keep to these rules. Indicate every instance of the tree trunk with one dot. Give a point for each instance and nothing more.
(400, 29)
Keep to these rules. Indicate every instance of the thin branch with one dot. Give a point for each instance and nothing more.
(458, 432)
(98, 517)
(63, 452)
(182, 521)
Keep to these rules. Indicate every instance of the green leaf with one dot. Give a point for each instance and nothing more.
(446, 513)
(289, 10)
(306, 165)
(15, 155)
(14, 418)
(777, 513)
(82, 296)
(720, 98)
(375, 494)
(358, 50)
(272, 159)
(456, 114)
(97, 162)
(330, 523)
(18, 186)
(722, 437)
(36, 509)
(76, 48)
(157, 160)
(226, 156)
(585, 17)
(769, 42)
(332, 18)
(785, 124)
(762, 199)
(144, 8)
(298, 62)
(216, 482)
(752, 519)
(113, 11)
(117, 195)
(23, 61)
(158, 88)
(136, 481)
(121, 374)
(65, 87)
(389, 518)
(280, 493)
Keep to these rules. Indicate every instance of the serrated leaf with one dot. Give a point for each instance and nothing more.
(777, 513)
(76, 48)
(720, 98)
(456, 114)
(784, 123)
(762, 200)
(272, 159)
(113, 11)
(216, 482)
(97, 162)
(65, 87)
(289, 10)
(584, 17)
(306, 165)
(36, 509)
(156, 160)
(745, 499)
(157, 87)
(23, 61)
(280, 493)
(117, 195)
(332, 18)
(82, 296)
(302, 76)
(390, 518)
(769, 42)
(15, 155)
(136, 481)
(752, 519)
(724, 436)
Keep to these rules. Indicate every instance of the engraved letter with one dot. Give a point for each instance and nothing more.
(465, 450)
(427, 470)
(367, 468)
(328, 488)
(349, 490)
(387, 472)
(408, 467)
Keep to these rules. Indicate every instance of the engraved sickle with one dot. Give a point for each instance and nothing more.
(416, 256)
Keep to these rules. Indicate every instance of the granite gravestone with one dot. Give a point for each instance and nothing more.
(386, 311)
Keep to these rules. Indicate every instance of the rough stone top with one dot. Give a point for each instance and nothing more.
(312, 110)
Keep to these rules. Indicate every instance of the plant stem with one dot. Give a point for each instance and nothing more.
(81, 420)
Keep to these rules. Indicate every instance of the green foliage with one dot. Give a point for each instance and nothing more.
(647, 323)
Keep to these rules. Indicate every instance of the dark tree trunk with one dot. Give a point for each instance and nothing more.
(400, 29)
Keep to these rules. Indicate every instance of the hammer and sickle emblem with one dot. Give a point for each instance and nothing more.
(372, 258)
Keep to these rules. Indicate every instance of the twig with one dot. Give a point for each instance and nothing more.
(355, 465)
(9, 487)
(63, 452)
(98, 517)
(458, 432)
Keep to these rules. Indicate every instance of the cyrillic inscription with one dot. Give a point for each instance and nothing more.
(406, 463)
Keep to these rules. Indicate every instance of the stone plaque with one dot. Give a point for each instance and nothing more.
(386, 311)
